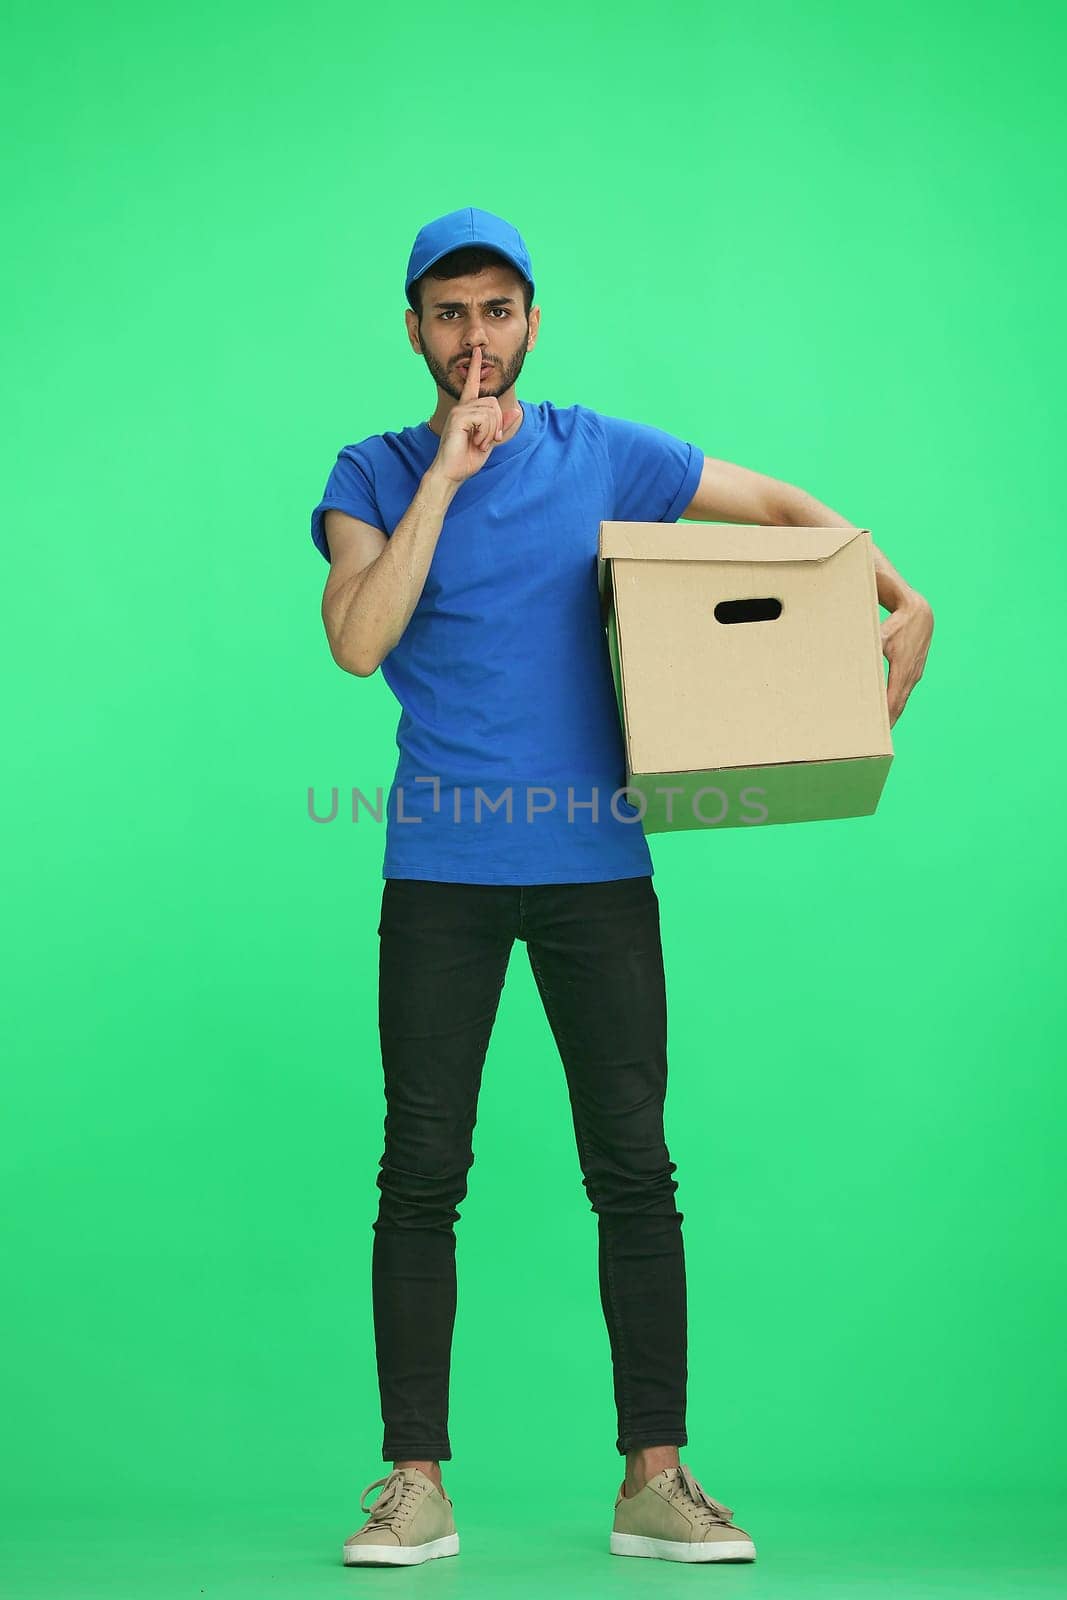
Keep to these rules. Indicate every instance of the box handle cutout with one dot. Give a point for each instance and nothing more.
(757, 609)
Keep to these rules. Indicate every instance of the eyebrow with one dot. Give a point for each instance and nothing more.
(458, 305)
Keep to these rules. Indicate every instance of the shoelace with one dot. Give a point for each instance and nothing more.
(391, 1503)
(708, 1510)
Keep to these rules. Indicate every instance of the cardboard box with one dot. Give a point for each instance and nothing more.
(748, 671)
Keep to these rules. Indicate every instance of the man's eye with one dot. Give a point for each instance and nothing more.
(502, 309)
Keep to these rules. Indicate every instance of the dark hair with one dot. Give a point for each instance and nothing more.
(471, 258)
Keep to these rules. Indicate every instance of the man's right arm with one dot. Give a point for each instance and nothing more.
(375, 582)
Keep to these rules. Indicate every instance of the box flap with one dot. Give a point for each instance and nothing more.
(720, 541)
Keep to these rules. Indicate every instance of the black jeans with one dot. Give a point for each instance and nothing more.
(596, 957)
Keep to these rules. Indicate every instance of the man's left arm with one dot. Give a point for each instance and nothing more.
(731, 493)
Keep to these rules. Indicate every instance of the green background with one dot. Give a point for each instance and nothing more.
(823, 243)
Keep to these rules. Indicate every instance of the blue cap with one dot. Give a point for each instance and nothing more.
(460, 229)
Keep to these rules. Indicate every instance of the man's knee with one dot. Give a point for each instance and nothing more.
(429, 1198)
(625, 1188)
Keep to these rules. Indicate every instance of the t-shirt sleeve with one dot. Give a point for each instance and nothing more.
(654, 473)
(350, 488)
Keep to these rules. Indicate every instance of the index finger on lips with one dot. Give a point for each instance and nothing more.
(472, 380)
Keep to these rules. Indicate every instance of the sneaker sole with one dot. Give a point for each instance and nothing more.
(635, 1544)
(384, 1555)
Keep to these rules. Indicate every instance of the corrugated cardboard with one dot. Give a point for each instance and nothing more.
(748, 669)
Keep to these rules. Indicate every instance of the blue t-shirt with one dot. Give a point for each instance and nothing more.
(511, 759)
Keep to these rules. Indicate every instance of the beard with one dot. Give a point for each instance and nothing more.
(497, 378)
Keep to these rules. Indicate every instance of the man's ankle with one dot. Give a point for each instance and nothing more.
(432, 1469)
(645, 1463)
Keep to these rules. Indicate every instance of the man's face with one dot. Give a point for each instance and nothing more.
(483, 309)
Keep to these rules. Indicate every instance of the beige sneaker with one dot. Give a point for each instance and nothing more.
(410, 1521)
(673, 1518)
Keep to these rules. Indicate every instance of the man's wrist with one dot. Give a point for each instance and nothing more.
(439, 489)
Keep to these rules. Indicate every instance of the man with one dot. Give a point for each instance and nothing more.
(463, 563)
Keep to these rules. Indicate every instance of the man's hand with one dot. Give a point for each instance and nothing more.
(474, 426)
(906, 634)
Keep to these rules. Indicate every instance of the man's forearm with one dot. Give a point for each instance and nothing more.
(797, 509)
(371, 613)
